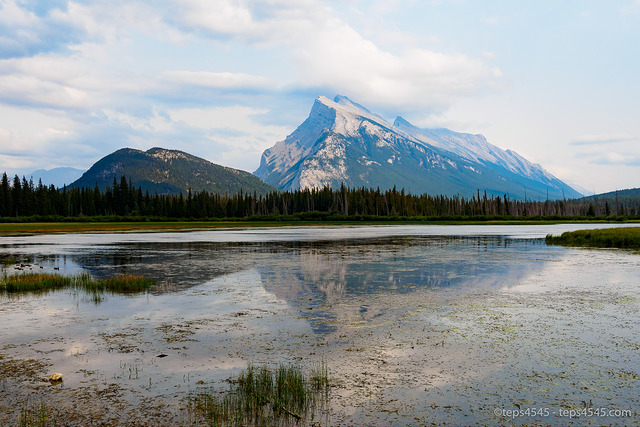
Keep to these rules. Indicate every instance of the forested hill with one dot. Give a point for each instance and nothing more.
(21, 200)
(163, 171)
(612, 203)
(629, 194)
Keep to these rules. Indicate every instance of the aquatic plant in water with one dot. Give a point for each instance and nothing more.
(32, 415)
(9, 260)
(262, 397)
(622, 237)
(31, 282)
(34, 282)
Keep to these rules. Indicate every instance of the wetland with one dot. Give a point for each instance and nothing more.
(414, 324)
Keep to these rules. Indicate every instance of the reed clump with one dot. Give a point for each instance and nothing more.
(320, 376)
(36, 282)
(33, 282)
(124, 283)
(262, 397)
(621, 237)
(9, 260)
(32, 415)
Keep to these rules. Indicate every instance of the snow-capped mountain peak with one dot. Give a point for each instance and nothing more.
(353, 106)
(343, 142)
(349, 114)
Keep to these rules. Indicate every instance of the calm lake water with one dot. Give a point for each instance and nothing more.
(419, 325)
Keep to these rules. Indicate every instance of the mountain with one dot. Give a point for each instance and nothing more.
(627, 199)
(169, 172)
(343, 142)
(59, 177)
(628, 194)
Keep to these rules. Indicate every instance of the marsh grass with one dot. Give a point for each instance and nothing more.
(124, 283)
(623, 237)
(9, 260)
(34, 282)
(262, 397)
(34, 415)
(320, 376)
(39, 282)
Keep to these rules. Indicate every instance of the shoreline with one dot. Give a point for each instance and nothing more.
(38, 228)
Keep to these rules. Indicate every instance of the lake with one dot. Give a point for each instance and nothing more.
(418, 325)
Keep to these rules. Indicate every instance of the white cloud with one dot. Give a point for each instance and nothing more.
(13, 15)
(615, 149)
(22, 89)
(631, 8)
(33, 139)
(325, 50)
(601, 139)
(238, 137)
(27, 34)
(85, 62)
(249, 21)
(328, 53)
(18, 29)
(10, 142)
(56, 80)
(338, 57)
(615, 158)
(11, 164)
(237, 117)
(28, 131)
(128, 121)
(223, 80)
(221, 16)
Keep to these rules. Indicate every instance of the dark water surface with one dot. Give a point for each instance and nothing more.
(420, 325)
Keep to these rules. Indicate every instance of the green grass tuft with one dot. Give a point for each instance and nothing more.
(623, 237)
(32, 415)
(320, 376)
(35, 282)
(128, 283)
(9, 260)
(261, 397)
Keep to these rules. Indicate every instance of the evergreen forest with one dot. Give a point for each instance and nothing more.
(22, 200)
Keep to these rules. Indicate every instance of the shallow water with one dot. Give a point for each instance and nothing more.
(419, 325)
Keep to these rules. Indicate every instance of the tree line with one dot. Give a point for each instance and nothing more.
(22, 200)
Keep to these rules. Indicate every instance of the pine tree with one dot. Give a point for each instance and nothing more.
(6, 206)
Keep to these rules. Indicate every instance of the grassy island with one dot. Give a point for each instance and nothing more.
(35, 282)
(623, 237)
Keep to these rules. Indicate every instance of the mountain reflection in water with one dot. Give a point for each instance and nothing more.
(316, 275)
(329, 270)
(418, 324)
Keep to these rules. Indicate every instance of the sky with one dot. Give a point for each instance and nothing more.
(556, 81)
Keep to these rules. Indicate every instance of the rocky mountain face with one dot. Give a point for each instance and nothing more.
(169, 172)
(343, 142)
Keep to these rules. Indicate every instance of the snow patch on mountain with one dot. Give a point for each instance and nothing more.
(474, 148)
(343, 142)
(326, 166)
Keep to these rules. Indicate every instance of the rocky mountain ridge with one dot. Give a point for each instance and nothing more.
(343, 142)
(163, 171)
